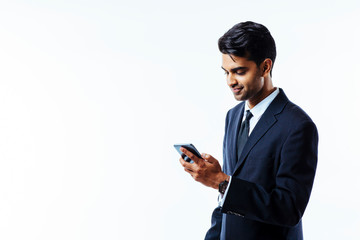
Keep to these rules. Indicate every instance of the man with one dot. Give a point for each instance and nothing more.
(270, 147)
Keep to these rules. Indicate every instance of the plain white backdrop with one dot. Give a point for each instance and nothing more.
(93, 95)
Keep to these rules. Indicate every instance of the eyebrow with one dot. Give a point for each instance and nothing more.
(235, 69)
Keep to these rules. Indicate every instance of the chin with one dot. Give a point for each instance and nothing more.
(239, 97)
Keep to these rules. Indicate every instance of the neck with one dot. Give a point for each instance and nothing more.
(262, 94)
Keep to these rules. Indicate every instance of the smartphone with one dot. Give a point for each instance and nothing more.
(190, 148)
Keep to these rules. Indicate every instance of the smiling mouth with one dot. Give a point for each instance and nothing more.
(237, 89)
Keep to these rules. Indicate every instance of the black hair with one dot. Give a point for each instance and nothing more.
(249, 39)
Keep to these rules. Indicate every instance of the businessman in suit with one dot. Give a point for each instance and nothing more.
(269, 149)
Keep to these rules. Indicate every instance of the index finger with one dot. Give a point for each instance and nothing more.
(190, 154)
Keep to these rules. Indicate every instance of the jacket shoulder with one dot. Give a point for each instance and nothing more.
(295, 116)
(294, 110)
(236, 109)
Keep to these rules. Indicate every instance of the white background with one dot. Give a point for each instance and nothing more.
(93, 94)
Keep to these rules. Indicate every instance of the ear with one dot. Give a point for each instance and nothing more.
(266, 67)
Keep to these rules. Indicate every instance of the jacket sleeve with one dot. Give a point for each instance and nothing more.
(285, 203)
(216, 221)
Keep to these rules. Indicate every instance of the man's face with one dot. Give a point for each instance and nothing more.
(243, 77)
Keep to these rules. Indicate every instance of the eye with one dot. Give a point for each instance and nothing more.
(226, 73)
(241, 73)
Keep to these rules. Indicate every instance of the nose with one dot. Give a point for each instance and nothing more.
(230, 79)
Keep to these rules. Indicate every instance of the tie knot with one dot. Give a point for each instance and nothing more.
(248, 115)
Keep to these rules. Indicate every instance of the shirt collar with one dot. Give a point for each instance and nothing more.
(260, 108)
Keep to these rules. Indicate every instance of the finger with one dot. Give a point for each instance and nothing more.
(208, 158)
(186, 164)
(190, 154)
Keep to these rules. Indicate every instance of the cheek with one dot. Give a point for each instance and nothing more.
(250, 82)
(256, 83)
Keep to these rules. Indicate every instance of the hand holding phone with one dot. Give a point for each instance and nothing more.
(206, 171)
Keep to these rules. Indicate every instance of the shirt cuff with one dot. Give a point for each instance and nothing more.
(222, 197)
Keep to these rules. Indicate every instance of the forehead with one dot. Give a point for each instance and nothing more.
(230, 61)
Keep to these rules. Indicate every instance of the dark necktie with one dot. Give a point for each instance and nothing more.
(244, 132)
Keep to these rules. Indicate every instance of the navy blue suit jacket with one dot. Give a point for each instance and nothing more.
(273, 177)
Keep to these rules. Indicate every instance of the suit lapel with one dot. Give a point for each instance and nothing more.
(267, 120)
(234, 135)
